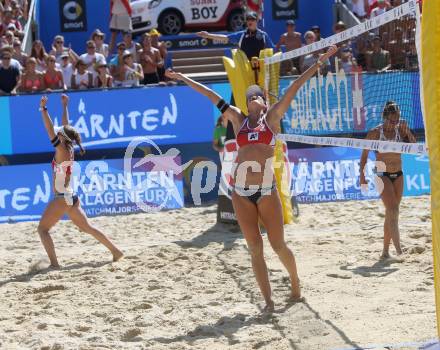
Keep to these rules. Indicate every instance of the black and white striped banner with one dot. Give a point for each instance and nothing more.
(372, 145)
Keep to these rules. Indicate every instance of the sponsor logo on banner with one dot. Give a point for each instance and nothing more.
(341, 103)
(73, 16)
(192, 42)
(111, 119)
(284, 9)
(332, 174)
(104, 188)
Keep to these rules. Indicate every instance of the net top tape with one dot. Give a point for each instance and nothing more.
(371, 145)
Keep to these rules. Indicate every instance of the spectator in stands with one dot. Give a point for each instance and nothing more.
(218, 142)
(339, 27)
(133, 72)
(379, 7)
(53, 77)
(315, 29)
(150, 59)
(9, 75)
(120, 11)
(309, 60)
(19, 13)
(9, 38)
(10, 50)
(360, 8)
(82, 79)
(17, 54)
(9, 23)
(363, 49)
(67, 69)
(251, 41)
(131, 45)
(398, 49)
(306, 61)
(31, 80)
(117, 66)
(379, 59)
(101, 47)
(58, 48)
(412, 59)
(103, 79)
(92, 58)
(39, 53)
(291, 40)
(347, 62)
(161, 46)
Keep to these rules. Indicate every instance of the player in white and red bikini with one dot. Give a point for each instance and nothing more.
(65, 201)
(255, 194)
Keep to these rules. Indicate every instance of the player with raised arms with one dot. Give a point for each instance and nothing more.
(255, 194)
(65, 201)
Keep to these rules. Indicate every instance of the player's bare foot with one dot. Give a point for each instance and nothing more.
(294, 299)
(270, 307)
(389, 259)
(55, 266)
(384, 256)
(117, 255)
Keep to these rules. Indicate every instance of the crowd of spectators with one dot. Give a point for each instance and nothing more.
(142, 61)
(135, 63)
(389, 47)
(61, 68)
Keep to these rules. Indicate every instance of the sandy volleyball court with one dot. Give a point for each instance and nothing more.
(187, 283)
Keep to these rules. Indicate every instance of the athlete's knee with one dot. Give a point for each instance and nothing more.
(255, 247)
(42, 230)
(278, 247)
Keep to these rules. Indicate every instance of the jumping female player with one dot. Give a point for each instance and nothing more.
(65, 201)
(388, 170)
(255, 194)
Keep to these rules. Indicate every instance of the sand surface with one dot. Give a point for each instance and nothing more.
(187, 283)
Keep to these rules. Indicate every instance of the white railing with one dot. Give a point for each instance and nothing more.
(343, 13)
(26, 45)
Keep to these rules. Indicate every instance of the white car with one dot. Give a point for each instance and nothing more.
(173, 16)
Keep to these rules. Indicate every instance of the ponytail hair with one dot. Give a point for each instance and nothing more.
(82, 151)
(74, 136)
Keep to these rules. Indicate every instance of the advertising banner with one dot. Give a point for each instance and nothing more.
(192, 42)
(332, 174)
(284, 9)
(340, 103)
(104, 187)
(112, 118)
(73, 16)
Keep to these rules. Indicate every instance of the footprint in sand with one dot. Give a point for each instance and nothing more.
(48, 289)
(132, 335)
(416, 250)
(339, 275)
(143, 306)
(83, 328)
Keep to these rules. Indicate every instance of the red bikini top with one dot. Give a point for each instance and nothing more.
(65, 167)
(262, 133)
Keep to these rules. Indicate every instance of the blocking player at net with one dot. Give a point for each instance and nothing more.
(255, 194)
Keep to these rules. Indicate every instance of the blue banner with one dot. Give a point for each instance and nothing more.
(332, 174)
(341, 103)
(112, 118)
(104, 187)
